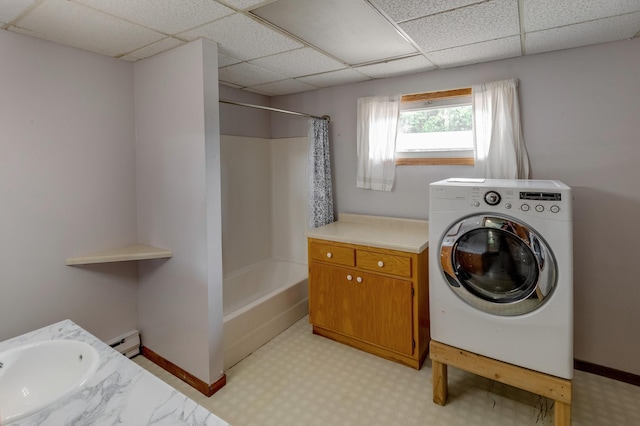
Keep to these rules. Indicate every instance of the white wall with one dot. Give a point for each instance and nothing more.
(289, 164)
(243, 121)
(580, 110)
(264, 200)
(246, 201)
(67, 187)
(178, 186)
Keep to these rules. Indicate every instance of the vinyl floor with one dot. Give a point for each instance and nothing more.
(301, 379)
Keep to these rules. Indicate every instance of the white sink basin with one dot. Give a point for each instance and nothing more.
(36, 375)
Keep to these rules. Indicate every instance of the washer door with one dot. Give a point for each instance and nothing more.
(497, 264)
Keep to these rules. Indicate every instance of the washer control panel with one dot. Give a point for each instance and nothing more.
(526, 201)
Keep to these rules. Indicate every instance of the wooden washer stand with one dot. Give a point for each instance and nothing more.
(546, 385)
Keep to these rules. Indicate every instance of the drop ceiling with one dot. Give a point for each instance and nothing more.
(280, 47)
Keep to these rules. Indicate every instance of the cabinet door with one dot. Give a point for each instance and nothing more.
(385, 311)
(369, 307)
(331, 297)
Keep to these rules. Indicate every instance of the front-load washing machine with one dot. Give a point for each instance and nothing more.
(501, 270)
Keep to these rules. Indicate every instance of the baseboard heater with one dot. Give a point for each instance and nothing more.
(127, 344)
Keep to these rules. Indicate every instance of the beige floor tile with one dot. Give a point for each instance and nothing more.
(302, 379)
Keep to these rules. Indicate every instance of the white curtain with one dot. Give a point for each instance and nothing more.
(376, 137)
(319, 174)
(499, 145)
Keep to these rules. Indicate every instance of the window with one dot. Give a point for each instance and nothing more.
(435, 128)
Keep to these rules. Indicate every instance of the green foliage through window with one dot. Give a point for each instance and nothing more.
(448, 119)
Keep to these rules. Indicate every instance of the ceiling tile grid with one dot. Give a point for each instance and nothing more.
(300, 62)
(74, 25)
(153, 49)
(283, 87)
(277, 47)
(349, 30)
(545, 14)
(479, 22)
(245, 74)
(11, 9)
(483, 51)
(166, 16)
(245, 4)
(404, 10)
(335, 78)
(582, 34)
(243, 38)
(409, 65)
(225, 61)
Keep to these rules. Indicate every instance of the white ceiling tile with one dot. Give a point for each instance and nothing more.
(167, 16)
(583, 34)
(283, 87)
(485, 51)
(299, 62)
(225, 61)
(249, 89)
(245, 74)
(245, 4)
(403, 10)
(349, 30)
(226, 83)
(480, 22)
(153, 49)
(397, 67)
(544, 14)
(335, 78)
(243, 38)
(75, 25)
(11, 9)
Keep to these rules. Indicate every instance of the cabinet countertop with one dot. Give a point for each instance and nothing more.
(409, 235)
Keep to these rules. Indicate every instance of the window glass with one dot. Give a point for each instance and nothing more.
(440, 127)
(435, 128)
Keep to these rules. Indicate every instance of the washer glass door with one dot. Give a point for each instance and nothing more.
(497, 264)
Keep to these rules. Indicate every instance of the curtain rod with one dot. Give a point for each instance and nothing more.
(284, 111)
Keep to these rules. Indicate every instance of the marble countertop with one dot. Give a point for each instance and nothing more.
(408, 235)
(120, 392)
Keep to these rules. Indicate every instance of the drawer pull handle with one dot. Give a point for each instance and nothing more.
(380, 263)
(359, 279)
(349, 277)
(329, 255)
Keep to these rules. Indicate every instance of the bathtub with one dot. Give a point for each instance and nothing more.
(259, 302)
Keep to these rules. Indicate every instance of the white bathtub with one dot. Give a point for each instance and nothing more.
(259, 302)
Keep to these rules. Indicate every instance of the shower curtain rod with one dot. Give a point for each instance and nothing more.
(284, 111)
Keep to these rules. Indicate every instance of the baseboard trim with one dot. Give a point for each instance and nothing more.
(608, 372)
(203, 387)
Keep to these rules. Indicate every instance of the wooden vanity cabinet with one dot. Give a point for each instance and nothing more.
(370, 298)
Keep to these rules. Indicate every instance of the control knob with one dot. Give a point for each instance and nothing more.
(492, 198)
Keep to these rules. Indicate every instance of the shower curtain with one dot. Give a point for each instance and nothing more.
(319, 174)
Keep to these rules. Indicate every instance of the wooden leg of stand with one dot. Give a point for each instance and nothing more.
(562, 414)
(440, 385)
(556, 388)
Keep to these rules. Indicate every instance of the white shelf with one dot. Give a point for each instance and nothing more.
(123, 254)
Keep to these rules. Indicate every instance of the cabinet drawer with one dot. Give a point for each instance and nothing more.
(332, 254)
(385, 263)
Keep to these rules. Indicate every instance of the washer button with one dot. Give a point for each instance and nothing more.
(476, 204)
(554, 209)
(524, 207)
(539, 208)
(507, 206)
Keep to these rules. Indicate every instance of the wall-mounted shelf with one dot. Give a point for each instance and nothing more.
(123, 254)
